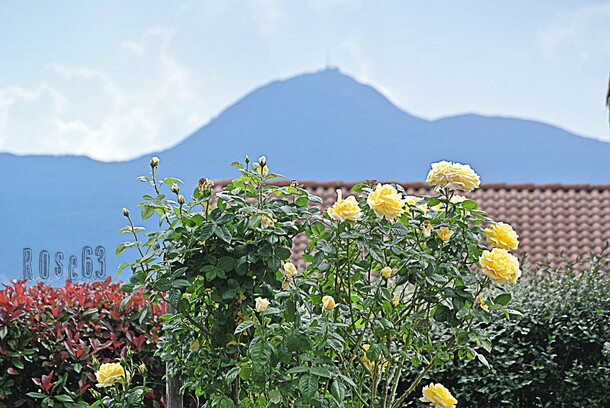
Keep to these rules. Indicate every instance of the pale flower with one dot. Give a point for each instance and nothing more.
(267, 222)
(444, 233)
(501, 235)
(386, 272)
(438, 396)
(346, 209)
(110, 374)
(261, 304)
(328, 302)
(386, 201)
(290, 269)
(453, 176)
(426, 228)
(395, 301)
(500, 266)
(413, 202)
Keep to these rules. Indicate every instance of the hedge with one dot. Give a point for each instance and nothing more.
(51, 338)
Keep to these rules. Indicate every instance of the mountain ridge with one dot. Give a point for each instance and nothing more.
(317, 126)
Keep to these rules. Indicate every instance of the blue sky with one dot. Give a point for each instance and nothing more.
(115, 80)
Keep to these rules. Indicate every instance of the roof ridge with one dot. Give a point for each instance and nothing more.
(419, 184)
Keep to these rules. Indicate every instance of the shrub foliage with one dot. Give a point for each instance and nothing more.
(52, 338)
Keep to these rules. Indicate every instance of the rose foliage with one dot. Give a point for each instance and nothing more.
(383, 301)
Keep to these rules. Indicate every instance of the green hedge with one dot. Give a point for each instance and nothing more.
(556, 355)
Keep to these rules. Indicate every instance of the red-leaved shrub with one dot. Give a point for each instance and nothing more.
(49, 338)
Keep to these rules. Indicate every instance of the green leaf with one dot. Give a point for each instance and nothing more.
(245, 325)
(298, 370)
(442, 313)
(223, 233)
(147, 212)
(337, 389)
(317, 228)
(470, 205)
(503, 299)
(64, 398)
(260, 351)
(174, 296)
(163, 285)
(275, 396)
(283, 253)
(321, 372)
(206, 231)
(181, 283)
(35, 395)
(308, 384)
(226, 263)
(434, 201)
(255, 221)
(127, 287)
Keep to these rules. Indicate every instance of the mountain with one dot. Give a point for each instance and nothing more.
(320, 126)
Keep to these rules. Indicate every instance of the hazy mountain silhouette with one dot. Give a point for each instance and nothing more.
(319, 126)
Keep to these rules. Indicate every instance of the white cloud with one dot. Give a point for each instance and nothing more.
(85, 111)
(584, 32)
(266, 15)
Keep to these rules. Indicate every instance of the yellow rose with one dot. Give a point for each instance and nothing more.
(328, 302)
(482, 303)
(110, 374)
(413, 200)
(261, 304)
(426, 228)
(345, 209)
(395, 301)
(501, 235)
(386, 202)
(444, 233)
(290, 269)
(438, 396)
(500, 266)
(386, 272)
(453, 176)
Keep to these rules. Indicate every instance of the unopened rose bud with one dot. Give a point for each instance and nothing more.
(175, 188)
(180, 199)
(142, 368)
(294, 183)
(125, 212)
(247, 159)
(154, 161)
(386, 272)
(262, 161)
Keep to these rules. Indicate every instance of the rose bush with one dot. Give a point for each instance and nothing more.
(393, 286)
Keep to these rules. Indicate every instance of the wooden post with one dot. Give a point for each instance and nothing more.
(172, 384)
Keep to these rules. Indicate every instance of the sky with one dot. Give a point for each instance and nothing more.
(116, 80)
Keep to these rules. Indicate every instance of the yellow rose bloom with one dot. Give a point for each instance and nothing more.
(110, 374)
(386, 272)
(267, 222)
(444, 233)
(290, 269)
(500, 266)
(482, 303)
(328, 302)
(501, 235)
(413, 200)
(453, 176)
(386, 202)
(261, 304)
(346, 209)
(438, 396)
(395, 301)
